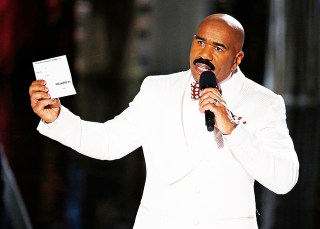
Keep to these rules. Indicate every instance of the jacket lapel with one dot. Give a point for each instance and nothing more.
(185, 157)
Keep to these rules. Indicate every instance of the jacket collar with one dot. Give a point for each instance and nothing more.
(231, 88)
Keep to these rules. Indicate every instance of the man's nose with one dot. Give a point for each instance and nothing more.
(206, 52)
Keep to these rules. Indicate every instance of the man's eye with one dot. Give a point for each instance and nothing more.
(200, 42)
(219, 49)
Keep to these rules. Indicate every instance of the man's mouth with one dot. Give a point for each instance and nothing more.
(203, 65)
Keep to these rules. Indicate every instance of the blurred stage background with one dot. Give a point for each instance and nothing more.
(111, 46)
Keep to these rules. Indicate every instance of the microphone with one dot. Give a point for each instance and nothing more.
(208, 80)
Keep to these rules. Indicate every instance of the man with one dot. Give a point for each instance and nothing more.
(195, 178)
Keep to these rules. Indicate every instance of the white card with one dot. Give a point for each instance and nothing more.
(55, 71)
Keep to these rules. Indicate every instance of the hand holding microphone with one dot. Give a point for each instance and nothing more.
(212, 104)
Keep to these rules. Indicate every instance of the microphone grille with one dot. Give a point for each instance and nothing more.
(207, 79)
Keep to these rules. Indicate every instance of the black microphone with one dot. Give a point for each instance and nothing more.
(208, 80)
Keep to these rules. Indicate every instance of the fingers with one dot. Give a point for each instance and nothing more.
(38, 86)
(39, 105)
(215, 101)
(38, 91)
(210, 99)
(38, 97)
(46, 108)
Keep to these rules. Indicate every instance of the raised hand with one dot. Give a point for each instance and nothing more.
(46, 108)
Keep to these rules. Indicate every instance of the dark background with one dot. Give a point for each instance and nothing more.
(111, 46)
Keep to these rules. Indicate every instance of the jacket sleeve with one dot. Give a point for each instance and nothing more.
(267, 153)
(105, 141)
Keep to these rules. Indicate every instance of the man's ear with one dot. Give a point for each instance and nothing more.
(237, 60)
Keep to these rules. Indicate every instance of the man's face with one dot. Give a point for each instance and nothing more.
(214, 48)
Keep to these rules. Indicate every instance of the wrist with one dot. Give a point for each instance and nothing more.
(233, 125)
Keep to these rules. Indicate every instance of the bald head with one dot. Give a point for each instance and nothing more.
(229, 23)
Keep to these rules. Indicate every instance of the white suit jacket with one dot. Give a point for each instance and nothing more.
(186, 187)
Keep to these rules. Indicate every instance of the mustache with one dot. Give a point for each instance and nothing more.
(200, 60)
